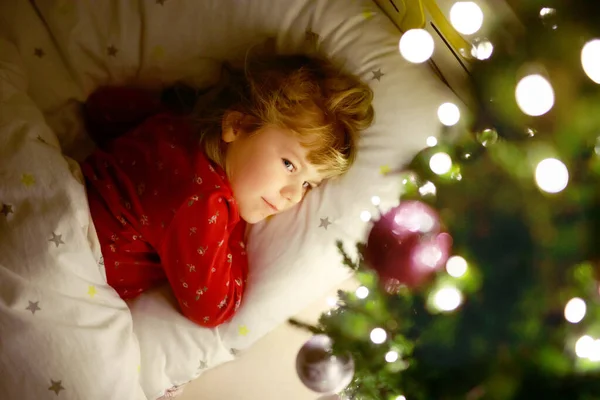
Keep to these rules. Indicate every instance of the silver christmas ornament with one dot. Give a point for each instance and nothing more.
(320, 370)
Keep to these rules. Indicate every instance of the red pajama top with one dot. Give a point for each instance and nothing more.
(162, 210)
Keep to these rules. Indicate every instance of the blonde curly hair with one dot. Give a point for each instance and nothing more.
(324, 106)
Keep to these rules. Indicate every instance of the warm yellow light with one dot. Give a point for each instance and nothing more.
(466, 17)
(551, 175)
(416, 45)
(535, 95)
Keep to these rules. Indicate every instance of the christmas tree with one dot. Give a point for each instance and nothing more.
(511, 311)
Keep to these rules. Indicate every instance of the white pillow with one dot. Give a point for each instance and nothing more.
(293, 259)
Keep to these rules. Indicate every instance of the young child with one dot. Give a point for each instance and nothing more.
(171, 194)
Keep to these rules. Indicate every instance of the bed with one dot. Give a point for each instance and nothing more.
(64, 333)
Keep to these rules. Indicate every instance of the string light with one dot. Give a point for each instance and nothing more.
(448, 114)
(466, 17)
(375, 200)
(416, 45)
(535, 95)
(440, 163)
(456, 266)
(447, 299)
(432, 141)
(378, 335)
(551, 175)
(583, 347)
(331, 301)
(575, 310)
(590, 59)
(365, 216)
(391, 356)
(362, 292)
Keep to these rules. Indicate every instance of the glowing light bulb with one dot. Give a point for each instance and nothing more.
(456, 266)
(575, 310)
(416, 45)
(482, 49)
(551, 175)
(583, 347)
(427, 188)
(365, 216)
(362, 292)
(448, 114)
(431, 141)
(440, 163)
(447, 299)
(376, 200)
(391, 356)
(590, 59)
(378, 336)
(535, 95)
(466, 17)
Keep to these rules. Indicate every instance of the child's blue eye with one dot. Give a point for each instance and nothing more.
(288, 165)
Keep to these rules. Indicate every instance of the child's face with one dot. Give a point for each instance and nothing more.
(268, 171)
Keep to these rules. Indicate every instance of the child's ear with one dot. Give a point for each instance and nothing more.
(230, 127)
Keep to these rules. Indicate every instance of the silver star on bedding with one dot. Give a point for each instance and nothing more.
(377, 74)
(324, 223)
(33, 306)
(56, 386)
(56, 239)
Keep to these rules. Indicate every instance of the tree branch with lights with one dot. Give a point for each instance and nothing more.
(482, 283)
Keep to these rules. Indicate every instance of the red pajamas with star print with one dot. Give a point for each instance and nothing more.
(162, 210)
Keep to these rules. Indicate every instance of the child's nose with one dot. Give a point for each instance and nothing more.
(292, 193)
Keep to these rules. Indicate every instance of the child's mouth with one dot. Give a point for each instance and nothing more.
(275, 209)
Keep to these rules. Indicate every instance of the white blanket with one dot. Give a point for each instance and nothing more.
(63, 332)
(56, 311)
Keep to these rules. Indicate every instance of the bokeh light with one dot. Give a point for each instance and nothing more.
(482, 49)
(448, 114)
(584, 346)
(375, 200)
(551, 175)
(428, 188)
(590, 59)
(456, 266)
(362, 292)
(378, 335)
(447, 299)
(466, 17)
(575, 310)
(391, 356)
(440, 163)
(432, 141)
(365, 216)
(535, 95)
(416, 45)
(595, 351)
